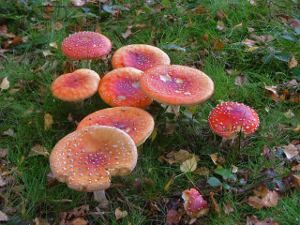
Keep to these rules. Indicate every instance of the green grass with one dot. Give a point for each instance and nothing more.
(28, 191)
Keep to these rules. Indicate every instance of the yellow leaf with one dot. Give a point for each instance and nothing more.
(47, 52)
(251, 49)
(153, 134)
(120, 214)
(38, 149)
(48, 121)
(189, 165)
(293, 63)
(214, 158)
(192, 109)
(297, 128)
(289, 114)
(4, 84)
(53, 44)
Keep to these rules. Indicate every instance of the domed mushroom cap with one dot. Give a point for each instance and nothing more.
(86, 45)
(140, 56)
(121, 87)
(194, 204)
(87, 158)
(136, 122)
(76, 86)
(177, 85)
(229, 118)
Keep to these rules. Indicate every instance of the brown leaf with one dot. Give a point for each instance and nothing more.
(269, 200)
(205, 38)
(274, 94)
(57, 26)
(248, 42)
(119, 214)
(47, 17)
(167, 186)
(263, 38)
(218, 44)
(48, 121)
(40, 221)
(291, 151)
(4, 84)
(173, 217)
(238, 26)
(221, 14)
(214, 203)
(38, 149)
(228, 208)
(78, 212)
(128, 32)
(3, 152)
(3, 29)
(254, 221)
(293, 63)
(202, 171)
(240, 80)
(220, 25)
(79, 221)
(214, 158)
(296, 168)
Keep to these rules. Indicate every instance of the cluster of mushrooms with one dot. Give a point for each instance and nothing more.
(105, 142)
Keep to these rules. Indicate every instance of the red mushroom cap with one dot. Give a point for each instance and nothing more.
(86, 45)
(229, 118)
(139, 56)
(87, 158)
(194, 204)
(121, 87)
(136, 122)
(177, 85)
(76, 86)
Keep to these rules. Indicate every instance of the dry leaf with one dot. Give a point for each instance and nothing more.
(189, 165)
(153, 134)
(274, 94)
(289, 114)
(57, 26)
(218, 44)
(228, 208)
(237, 26)
(173, 217)
(47, 52)
(167, 186)
(48, 121)
(269, 200)
(220, 25)
(214, 203)
(297, 179)
(214, 158)
(4, 83)
(9, 132)
(240, 80)
(38, 149)
(53, 44)
(79, 221)
(293, 63)
(40, 221)
(234, 169)
(127, 33)
(78, 2)
(248, 42)
(205, 38)
(263, 38)
(3, 152)
(296, 168)
(119, 214)
(3, 216)
(202, 171)
(254, 221)
(252, 2)
(291, 151)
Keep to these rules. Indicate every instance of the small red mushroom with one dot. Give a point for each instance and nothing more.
(229, 118)
(76, 86)
(194, 204)
(136, 122)
(86, 45)
(121, 87)
(139, 56)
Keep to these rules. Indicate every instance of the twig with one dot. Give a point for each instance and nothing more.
(61, 6)
(101, 215)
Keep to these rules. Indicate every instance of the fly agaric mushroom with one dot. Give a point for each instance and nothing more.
(121, 87)
(87, 158)
(177, 86)
(76, 86)
(194, 204)
(136, 122)
(139, 56)
(86, 45)
(229, 118)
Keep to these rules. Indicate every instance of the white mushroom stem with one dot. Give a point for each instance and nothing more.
(86, 63)
(99, 196)
(173, 109)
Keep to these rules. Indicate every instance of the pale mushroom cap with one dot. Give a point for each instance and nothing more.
(88, 157)
(86, 45)
(121, 87)
(76, 86)
(136, 122)
(140, 56)
(229, 118)
(177, 85)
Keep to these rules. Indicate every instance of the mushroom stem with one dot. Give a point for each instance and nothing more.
(86, 63)
(99, 196)
(173, 109)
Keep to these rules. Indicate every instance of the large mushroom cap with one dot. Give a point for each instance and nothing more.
(136, 122)
(76, 86)
(121, 87)
(177, 85)
(140, 56)
(86, 45)
(229, 118)
(87, 158)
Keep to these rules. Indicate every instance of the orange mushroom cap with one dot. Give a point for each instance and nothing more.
(229, 118)
(177, 85)
(139, 56)
(87, 158)
(121, 87)
(86, 45)
(76, 86)
(136, 122)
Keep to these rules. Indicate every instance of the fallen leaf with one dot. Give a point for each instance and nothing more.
(296, 168)
(53, 44)
(167, 186)
(4, 83)
(228, 208)
(119, 214)
(220, 25)
(263, 38)
(234, 169)
(214, 158)
(3, 152)
(274, 94)
(238, 26)
(78, 2)
(269, 200)
(213, 202)
(218, 44)
(202, 171)
(252, 220)
(297, 179)
(189, 165)
(78, 212)
(173, 217)
(291, 151)
(293, 63)
(128, 32)
(248, 42)
(40, 221)
(48, 121)
(289, 114)
(3, 216)
(205, 38)
(297, 128)
(57, 26)
(47, 52)
(252, 2)
(38, 149)
(9, 132)
(240, 80)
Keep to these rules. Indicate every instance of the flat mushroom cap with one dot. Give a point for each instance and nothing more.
(136, 122)
(87, 158)
(139, 56)
(121, 87)
(76, 86)
(177, 85)
(229, 118)
(86, 45)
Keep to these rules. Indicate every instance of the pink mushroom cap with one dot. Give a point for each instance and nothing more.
(229, 118)
(136, 122)
(140, 56)
(177, 85)
(194, 204)
(86, 45)
(76, 86)
(121, 87)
